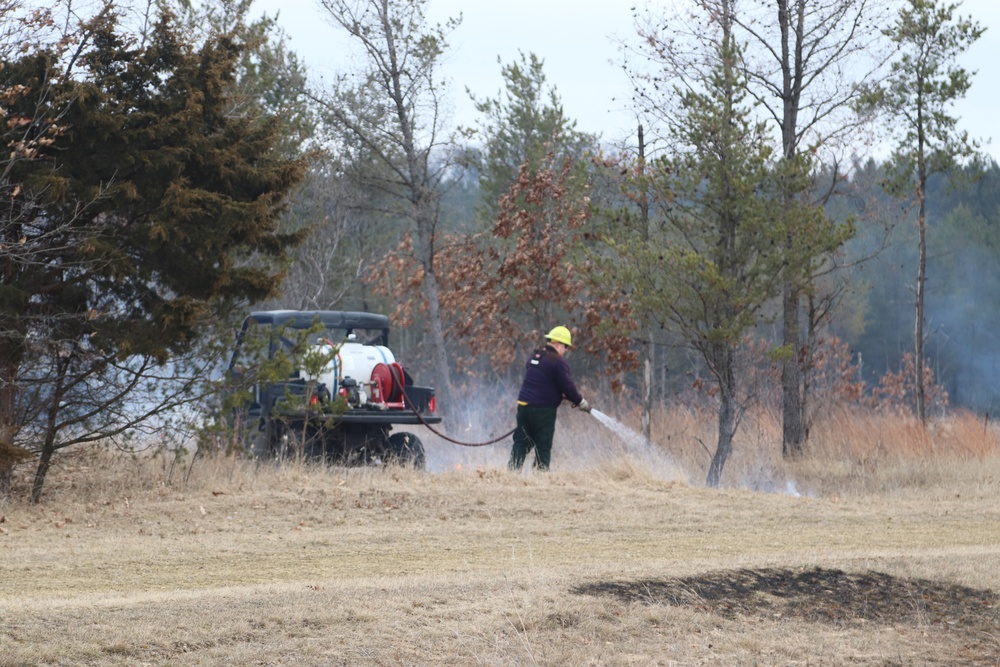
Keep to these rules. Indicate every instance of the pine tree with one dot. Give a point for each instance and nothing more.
(716, 254)
(139, 205)
(923, 84)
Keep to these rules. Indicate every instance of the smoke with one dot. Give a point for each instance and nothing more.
(483, 413)
(636, 449)
(963, 345)
(633, 441)
(594, 442)
(770, 482)
(582, 442)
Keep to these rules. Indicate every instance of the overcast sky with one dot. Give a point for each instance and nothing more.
(578, 41)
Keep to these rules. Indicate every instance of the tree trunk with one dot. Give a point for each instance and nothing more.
(647, 356)
(814, 316)
(793, 425)
(8, 402)
(647, 391)
(6, 476)
(442, 389)
(51, 429)
(790, 22)
(727, 420)
(48, 447)
(425, 222)
(10, 456)
(918, 319)
(44, 463)
(918, 325)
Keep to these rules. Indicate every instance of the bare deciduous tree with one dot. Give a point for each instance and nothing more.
(806, 62)
(715, 260)
(924, 82)
(392, 111)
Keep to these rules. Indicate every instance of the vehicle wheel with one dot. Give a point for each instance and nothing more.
(406, 449)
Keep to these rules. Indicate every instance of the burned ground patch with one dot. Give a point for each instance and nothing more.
(817, 595)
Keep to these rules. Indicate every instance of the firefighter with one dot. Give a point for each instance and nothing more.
(547, 381)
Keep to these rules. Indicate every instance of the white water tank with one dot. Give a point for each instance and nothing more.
(353, 360)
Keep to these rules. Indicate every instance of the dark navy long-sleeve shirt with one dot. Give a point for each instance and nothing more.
(547, 380)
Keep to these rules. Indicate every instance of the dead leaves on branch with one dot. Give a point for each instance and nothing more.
(502, 288)
(400, 272)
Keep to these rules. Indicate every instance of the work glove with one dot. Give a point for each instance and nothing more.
(584, 405)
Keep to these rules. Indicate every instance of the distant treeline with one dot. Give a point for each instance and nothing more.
(963, 282)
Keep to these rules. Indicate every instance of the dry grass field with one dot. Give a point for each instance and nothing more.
(881, 547)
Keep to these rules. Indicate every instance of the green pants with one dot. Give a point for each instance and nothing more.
(536, 427)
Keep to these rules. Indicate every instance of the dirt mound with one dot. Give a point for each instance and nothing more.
(817, 595)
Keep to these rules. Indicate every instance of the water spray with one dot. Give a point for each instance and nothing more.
(635, 442)
(640, 450)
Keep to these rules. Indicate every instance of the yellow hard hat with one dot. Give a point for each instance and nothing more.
(561, 335)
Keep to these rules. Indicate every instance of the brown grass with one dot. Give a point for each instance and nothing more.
(880, 547)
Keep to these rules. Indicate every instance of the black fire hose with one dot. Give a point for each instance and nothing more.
(442, 435)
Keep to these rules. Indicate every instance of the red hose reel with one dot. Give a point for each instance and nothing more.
(387, 383)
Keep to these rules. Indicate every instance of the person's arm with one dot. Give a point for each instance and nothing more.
(566, 384)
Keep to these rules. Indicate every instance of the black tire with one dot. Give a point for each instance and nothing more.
(406, 449)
